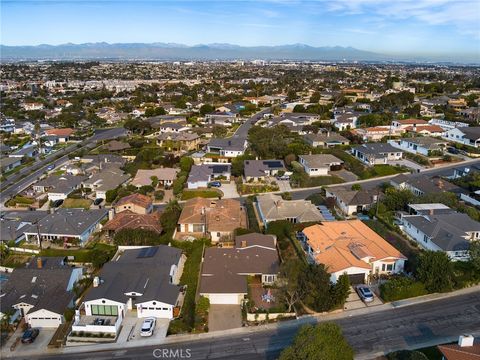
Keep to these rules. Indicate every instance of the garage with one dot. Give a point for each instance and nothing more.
(155, 309)
(356, 278)
(43, 319)
(225, 299)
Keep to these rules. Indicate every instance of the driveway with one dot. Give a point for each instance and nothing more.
(224, 317)
(229, 190)
(346, 175)
(284, 185)
(408, 163)
(159, 334)
(40, 343)
(354, 302)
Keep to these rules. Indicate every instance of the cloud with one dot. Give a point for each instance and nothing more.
(464, 15)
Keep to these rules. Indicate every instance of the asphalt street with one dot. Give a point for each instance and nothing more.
(369, 334)
(15, 183)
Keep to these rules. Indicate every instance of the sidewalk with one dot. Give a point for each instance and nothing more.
(247, 330)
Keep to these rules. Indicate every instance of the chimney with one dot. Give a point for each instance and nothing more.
(465, 340)
(111, 213)
(39, 263)
(431, 211)
(243, 244)
(96, 281)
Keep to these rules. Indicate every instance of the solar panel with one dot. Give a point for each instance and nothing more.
(147, 252)
(274, 164)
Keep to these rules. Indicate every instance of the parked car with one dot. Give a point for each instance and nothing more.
(57, 203)
(29, 336)
(283, 177)
(215, 184)
(98, 201)
(453, 150)
(147, 327)
(365, 293)
(51, 167)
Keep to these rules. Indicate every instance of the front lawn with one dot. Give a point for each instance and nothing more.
(77, 203)
(382, 170)
(316, 181)
(211, 193)
(83, 255)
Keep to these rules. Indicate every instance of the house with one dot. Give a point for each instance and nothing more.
(9, 163)
(221, 118)
(225, 270)
(141, 281)
(425, 130)
(13, 224)
(58, 187)
(320, 164)
(40, 292)
(116, 145)
(294, 121)
(165, 177)
(421, 145)
(351, 202)
(62, 134)
(351, 247)
(345, 121)
(272, 207)
(129, 220)
(466, 349)
(445, 230)
(66, 226)
(377, 153)
(465, 135)
(407, 123)
(376, 133)
(201, 175)
(30, 106)
(137, 203)
(173, 127)
(108, 178)
(216, 219)
(328, 139)
(421, 184)
(181, 141)
(256, 170)
(26, 151)
(229, 147)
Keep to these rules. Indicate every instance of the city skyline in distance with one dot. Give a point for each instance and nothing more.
(422, 29)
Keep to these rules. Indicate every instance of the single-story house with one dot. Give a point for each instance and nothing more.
(351, 202)
(256, 170)
(351, 247)
(9, 163)
(272, 207)
(108, 178)
(229, 147)
(58, 187)
(217, 219)
(13, 223)
(328, 139)
(421, 145)
(144, 279)
(130, 220)
(320, 164)
(225, 270)
(62, 134)
(66, 226)
(377, 153)
(165, 177)
(40, 292)
(421, 184)
(465, 135)
(447, 231)
(201, 175)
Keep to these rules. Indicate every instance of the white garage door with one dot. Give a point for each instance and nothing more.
(232, 299)
(44, 322)
(164, 313)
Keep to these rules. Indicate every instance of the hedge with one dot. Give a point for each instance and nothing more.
(398, 288)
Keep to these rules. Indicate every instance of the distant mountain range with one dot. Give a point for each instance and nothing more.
(172, 51)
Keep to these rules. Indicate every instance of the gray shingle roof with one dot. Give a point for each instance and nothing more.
(149, 276)
(256, 168)
(376, 148)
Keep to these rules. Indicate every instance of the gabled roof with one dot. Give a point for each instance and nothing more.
(355, 197)
(130, 220)
(143, 177)
(203, 172)
(376, 148)
(471, 133)
(44, 288)
(255, 168)
(60, 132)
(145, 271)
(320, 160)
(273, 208)
(232, 144)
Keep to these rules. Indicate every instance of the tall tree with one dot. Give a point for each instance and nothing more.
(435, 271)
(324, 341)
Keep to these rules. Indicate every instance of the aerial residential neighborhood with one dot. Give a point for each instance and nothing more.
(236, 201)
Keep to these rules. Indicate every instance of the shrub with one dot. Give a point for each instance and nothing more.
(401, 287)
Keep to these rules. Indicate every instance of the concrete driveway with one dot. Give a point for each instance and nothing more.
(345, 175)
(354, 301)
(229, 190)
(40, 343)
(284, 185)
(408, 163)
(224, 317)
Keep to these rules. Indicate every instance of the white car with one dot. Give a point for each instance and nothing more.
(147, 327)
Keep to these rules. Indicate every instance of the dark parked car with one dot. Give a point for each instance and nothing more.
(365, 293)
(98, 201)
(453, 150)
(57, 203)
(29, 336)
(215, 184)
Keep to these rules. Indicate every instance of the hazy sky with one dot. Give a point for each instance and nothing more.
(388, 26)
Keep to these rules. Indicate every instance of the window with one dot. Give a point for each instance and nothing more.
(425, 238)
(110, 310)
(389, 267)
